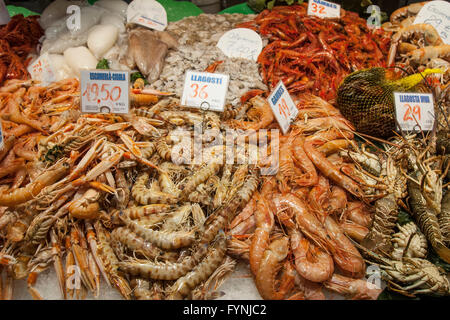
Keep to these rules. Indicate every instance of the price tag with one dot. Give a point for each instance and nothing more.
(324, 9)
(205, 90)
(241, 43)
(282, 106)
(105, 91)
(414, 111)
(41, 69)
(437, 14)
(147, 13)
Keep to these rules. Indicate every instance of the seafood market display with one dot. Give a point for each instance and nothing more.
(308, 208)
(161, 203)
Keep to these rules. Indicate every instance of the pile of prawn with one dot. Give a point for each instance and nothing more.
(295, 230)
(313, 55)
(18, 39)
(103, 196)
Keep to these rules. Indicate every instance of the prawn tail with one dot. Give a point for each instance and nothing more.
(443, 252)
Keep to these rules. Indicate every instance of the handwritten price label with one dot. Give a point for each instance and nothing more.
(414, 111)
(437, 14)
(147, 13)
(241, 43)
(105, 91)
(42, 70)
(324, 9)
(205, 90)
(282, 106)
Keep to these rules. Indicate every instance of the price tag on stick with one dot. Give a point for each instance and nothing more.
(282, 106)
(324, 9)
(414, 111)
(105, 91)
(204, 90)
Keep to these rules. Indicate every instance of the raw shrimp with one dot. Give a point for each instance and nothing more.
(358, 213)
(310, 290)
(346, 255)
(184, 285)
(331, 122)
(337, 201)
(220, 219)
(319, 195)
(265, 279)
(355, 288)
(141, 289)
(261, 115)
(306, 221)
(86, 207)
(135, 243)
(260, 240)
(162, 270)
(134, 213)
(146, 195)
(163, 239)
(27, 193)
(302, 160)
(110, 262)
(355, 231)
(245, 214)
(199, 177)
(329, 170)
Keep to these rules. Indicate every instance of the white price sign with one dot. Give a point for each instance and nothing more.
(414, 111)
(147, 13)
(41, 69)
(205, 90)
(324, 9)
(241, 43)
(105, 91)
(437, 14)
(282, 106)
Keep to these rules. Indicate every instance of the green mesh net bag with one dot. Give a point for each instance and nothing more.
(366, 98)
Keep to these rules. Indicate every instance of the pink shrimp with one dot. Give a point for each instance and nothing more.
(305, 219)
(337, 201)
(319, 194)
(329, 170)
(265, 279)
(260, 240)
(355, 288)
(244, 227)
(245, 214)
(355, 231)
(311, 290)
(346, 256)
(311, 262)
(359, 213)
(301, 159)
